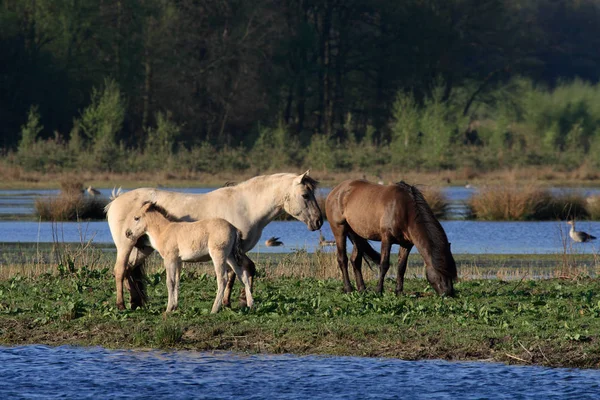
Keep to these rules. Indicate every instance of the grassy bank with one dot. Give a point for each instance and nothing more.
(300, 308)
(15, 177)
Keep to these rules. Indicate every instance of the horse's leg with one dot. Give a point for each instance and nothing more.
(171, 270)
(356, 260)
(135, 276)
(384, 265)
(177, 280)
(402, 261)
(247, 265)
(124, 249)
(244, 276)
(340, 232)
(221, 274)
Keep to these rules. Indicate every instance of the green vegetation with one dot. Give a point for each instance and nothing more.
(534, 127)
(300, 308)
(195, 87)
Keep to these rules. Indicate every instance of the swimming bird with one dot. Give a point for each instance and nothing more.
(323, 242)
(92, 192)
(579, 236)
(273, 241)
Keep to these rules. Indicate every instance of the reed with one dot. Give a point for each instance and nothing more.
(70, 205)
(510, 203)
(527, 203)
(437, 200)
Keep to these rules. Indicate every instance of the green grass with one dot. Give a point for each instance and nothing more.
(554, 322)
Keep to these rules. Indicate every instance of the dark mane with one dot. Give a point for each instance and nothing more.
(435, 231)
(310, 183)
(159, 209)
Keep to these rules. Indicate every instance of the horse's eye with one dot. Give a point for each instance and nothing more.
(136, 218)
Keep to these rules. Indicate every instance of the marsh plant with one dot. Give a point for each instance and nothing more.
(530, 202)
(70, 205)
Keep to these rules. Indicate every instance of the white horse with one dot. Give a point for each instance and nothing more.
(191, 241)
(249, 206)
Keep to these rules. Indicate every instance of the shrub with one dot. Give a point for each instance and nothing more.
(31, 130)
(437, 200)
(275, 148)
(160, 141)
(101, 121)
(510, 203)
(70, 205)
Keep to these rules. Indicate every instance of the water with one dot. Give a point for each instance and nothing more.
(35, 372)
(467, 237)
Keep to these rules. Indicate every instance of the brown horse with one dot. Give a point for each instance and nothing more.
(391, 214)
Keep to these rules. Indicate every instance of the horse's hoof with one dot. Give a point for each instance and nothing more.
(120, 306)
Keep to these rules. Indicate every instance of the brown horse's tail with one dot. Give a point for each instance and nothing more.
(364, 246)
(136, 278)
(238, 253)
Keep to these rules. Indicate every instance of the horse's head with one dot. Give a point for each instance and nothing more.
(300, 202)
(138, 225)
(442, 276)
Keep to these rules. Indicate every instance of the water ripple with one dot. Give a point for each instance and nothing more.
(32, 372)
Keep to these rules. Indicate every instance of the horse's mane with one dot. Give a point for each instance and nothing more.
(436, 234)
(311, 183)
(161, 210)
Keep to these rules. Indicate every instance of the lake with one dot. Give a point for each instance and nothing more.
(467, 237)
(36, 372)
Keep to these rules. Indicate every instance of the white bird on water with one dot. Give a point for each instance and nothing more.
(579, 236)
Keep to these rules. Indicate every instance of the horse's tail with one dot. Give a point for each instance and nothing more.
(113, 195)
(238, 253)
(364, 245)
(136, 277)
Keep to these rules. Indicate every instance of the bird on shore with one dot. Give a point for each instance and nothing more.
(323, 242)
(273, 242)
(579, 236)
(92, 191)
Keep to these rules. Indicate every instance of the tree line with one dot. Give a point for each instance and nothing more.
(221, 71)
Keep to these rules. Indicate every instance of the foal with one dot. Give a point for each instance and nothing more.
(203, 240)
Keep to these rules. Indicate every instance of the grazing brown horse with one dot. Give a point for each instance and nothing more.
(391, 214)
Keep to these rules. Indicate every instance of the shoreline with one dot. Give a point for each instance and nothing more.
(544, 176)
(547, 322)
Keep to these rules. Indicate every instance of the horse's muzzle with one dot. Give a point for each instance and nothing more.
(316, 225)
(128, 233)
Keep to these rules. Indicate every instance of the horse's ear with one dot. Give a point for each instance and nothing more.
(300, 178)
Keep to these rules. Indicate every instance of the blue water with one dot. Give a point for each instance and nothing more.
(467, 237)
(40, 372)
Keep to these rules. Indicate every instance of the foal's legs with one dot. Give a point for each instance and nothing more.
(247, 265)
(172, 267)
(384, 265)
(221, 273)
(402, 261)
